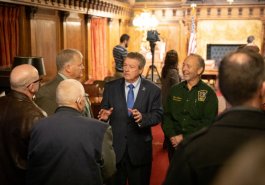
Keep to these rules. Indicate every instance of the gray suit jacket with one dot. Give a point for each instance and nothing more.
(127, 133)
(46, 97)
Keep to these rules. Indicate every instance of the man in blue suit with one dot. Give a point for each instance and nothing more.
(132, 105)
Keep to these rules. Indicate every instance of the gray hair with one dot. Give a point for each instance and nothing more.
(66, 56)
(200, 61)
(139, 57)
(68, 92)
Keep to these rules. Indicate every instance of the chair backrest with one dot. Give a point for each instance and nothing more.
(109, 78)
(99, 83)
(96, 89)
(100, 86)
(91, 90)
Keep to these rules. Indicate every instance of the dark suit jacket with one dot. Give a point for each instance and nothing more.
(200, 157)
(126, 132)
(46, 96)
(67, 148)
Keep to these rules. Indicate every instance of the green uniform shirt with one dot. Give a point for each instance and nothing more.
(188, 111)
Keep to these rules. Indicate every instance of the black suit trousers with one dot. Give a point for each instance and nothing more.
(131, 174)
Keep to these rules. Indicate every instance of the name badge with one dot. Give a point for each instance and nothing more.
(176, 98)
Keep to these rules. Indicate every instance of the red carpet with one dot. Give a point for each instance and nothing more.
(160, 159)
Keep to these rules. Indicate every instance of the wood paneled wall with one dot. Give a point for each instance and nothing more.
(114, 38)
(75, 34)
(45, 38)
(45, 32)
(46, 27)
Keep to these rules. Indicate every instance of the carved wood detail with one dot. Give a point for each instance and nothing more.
(64, 15)
(31, 11)
(112, 9)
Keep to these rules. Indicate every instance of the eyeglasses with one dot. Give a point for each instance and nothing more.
(36, 81)
(79, 99)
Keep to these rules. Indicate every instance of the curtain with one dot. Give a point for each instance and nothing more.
(99, 48)
(9, 36)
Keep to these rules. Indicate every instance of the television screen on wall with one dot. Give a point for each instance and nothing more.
(218, 51)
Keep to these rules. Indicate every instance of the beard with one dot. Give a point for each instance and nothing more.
(126, 45)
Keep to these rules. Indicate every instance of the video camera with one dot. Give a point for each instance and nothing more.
(152, 36)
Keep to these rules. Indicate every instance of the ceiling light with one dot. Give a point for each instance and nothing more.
(145, 21)
(230, 1)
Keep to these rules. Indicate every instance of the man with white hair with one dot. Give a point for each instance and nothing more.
(67, 148)
(69, 66)
(18, 114)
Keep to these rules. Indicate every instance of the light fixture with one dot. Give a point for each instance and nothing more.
(230, 1)
(193, 5)
(37, 62)
(145, 21)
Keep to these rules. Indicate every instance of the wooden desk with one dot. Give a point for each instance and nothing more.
(213, 72)
(209, 76)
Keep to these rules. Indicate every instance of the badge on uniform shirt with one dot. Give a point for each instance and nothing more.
(176, 98)
(202, 95)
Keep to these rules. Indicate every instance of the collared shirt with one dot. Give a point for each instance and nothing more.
(63, 76)
(136, 85)
(188, 111)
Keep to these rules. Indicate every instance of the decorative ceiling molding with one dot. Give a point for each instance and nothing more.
(167, 10)
(103, 8)
(173, 12)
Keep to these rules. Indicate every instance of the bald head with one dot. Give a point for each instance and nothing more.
(23, 75)
(69, 92)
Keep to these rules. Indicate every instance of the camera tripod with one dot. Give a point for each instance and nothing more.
(152, 67)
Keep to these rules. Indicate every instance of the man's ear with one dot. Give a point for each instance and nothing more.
(141, 70)
(31, 88)
(80, 105)
(261, 94)
(200, 71)
(68, 68)
(78, 100)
